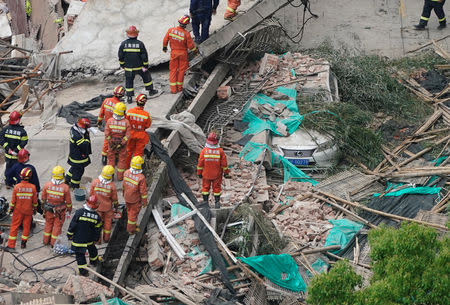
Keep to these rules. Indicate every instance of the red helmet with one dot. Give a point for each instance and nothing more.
(92, 202)
(84, 123)
(23, 155)
(25, 174)
(184, 20)
(132, 31)
(14, 117)
(212, 138)
(119, 91)
(141, 99)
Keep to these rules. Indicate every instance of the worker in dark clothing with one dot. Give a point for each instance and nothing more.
(12, 138)
(201, 13)
(80, 149)
(428, 6)
(84, 230)
(133, 58)
(14, 172)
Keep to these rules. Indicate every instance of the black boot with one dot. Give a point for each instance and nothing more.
(129, 99)
(205, 198)
(217, 202)
(442, 26)
(23, 244)
(419, 27)
(152, 92)
(84, 272)
(104, 160)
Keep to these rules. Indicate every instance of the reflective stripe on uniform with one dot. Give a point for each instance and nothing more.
(82, 266)
(148, 84)
(212, 156)
(144, 196)
(231, 10)
(117, 127)
(131, 222)
(93, 258)
(173, 84)
(107, 231)
(81, 245)
(47, 234)
(198, 167)
(97, 188)
(205, 193)
(25, 194)
(138, 115)
(132, 50)
(179, 83)
(109, 107)
(145, 63)
(12, 237)
(440, 20)
(24, 237)
(10, 156)
(424, 18)
(217, 194)
(54, 237)
(176, 36)
(133, 69)
(88, 219)
(121, 62)
(78, 161)
(120, 170)
(130, 180)
(129, 89)
(55, 193)
(12, 136)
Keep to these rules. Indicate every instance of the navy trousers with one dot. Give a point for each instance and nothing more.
(200, 27)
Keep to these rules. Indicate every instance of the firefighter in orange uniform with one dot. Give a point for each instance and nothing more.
(140, 120)
(23, 205)
(180, 41)
(57, 200)
(117, 133)
(106, 112)
(134, 192)
(212, 163)
(105, 190)
(231, 10)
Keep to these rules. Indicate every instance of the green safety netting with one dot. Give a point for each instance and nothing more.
(252, 150)
(319, 265)
(437, 162)
(280, 269)
(342, 233)
(257, 124)
(421, 190)
(115, 301)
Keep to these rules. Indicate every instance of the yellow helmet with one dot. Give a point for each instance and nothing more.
(120, 108)
(137, 162)
(107, 172)
(58, 172)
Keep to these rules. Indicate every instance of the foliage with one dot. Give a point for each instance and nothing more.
(367, 89)
(336, 287)
(410, 266)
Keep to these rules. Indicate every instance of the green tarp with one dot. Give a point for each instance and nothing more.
(423, 190)
(280, 269)
(115, 301)
(252, 150)
(256, 124)
(342, 233)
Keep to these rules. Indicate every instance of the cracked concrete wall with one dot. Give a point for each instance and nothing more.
(100, 28)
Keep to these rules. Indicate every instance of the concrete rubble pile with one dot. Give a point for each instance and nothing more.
(85, 288)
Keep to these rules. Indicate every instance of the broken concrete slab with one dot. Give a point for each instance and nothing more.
(97, 32)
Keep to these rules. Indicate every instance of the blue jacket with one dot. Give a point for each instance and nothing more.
(203, 7)
(13, 175)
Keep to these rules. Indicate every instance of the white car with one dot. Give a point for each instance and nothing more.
(306, 148)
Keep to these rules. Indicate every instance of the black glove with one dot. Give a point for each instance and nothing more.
(69, 236)
(164, 49)
(227, 176)
(200, 176)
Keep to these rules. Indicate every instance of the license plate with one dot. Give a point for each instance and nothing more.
(299, 161)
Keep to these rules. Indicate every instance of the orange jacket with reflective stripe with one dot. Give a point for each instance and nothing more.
(106, 194)
(57, 195)
(140, 120)
(134, 187)
(24, 198)
(212, 163)
(119, 129)
(179, 39)
(107, 108)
